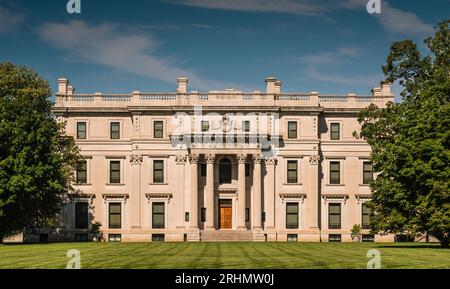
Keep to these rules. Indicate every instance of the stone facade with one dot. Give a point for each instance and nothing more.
(222, 165)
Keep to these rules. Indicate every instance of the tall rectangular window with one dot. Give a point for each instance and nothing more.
(246, 125)
(247, 214)
(115, 215)
(114, 172)
(158, 218)
(334, 216)
(115, 130)
(158, 171)
(292, 129)
(205, 125)
(335, 172)
(202, 170)
(291, 215)
(365, 218)
(335, 131)
(82, 172)
(81, 215)
(203, 215)
(81, 130)
(367, 172)
(292, 172)
(247, 170)
(158, 129)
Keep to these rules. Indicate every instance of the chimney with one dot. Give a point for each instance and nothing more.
(182, 85)
(62, 85)
(270, 85)
(385, 88)
(277, 87)
(70, 90)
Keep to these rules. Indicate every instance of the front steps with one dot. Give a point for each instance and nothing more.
(226, 236)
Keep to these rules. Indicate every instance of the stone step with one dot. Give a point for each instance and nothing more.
(224, 236)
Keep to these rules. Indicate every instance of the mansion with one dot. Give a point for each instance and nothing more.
(218, 166)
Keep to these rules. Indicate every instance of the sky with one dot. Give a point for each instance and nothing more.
(330, 46)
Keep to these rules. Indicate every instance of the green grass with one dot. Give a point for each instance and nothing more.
(224, 255)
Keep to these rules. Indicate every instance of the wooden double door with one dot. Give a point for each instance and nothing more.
(225, 214)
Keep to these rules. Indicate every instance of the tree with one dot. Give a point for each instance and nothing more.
(37, 160)
(410, 142)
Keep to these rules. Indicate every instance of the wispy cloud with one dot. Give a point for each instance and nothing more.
(392, 19)
(327, 66)
(302, 7)
(115, 46)
(9, 21)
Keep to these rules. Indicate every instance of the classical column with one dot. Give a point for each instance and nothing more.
(313, 196)
(241, 158)
(269, 196)
(193, 214)
(256, 222)
(209, 192)
(136, 161)
(180, 161)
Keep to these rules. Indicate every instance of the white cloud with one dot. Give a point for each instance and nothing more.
(9, 21)
(392, 19)
(403, 22)
(302, 7)
(327, 67)
(115, 46)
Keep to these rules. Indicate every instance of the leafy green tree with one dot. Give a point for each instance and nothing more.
(37, 160)
(410, 142)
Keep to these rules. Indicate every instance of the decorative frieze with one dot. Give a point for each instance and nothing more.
(314, 160)
(180, 159)
(136, 159)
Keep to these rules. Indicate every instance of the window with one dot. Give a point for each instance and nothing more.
(203, 215)
(225, 171)
(81, 237)
(368, 238)
(81, 215)
(292, 129)
(247, 214)
(158, 171)
(246, 126)
(335, 173)
(292, 172)
(115, 215)
(335, 131)
(186, 216)
(114, 237)
(158, 218)
(82, 172)
(247, 170)
(81, 130)
(114, 172)
(365, 218)
(205, 125)
(334, 238)
(292, 237)
(203, 170)
(367, 172)
(158, 237)
(263, 216)
(334, 216)
(115, 130)
(158, 129)
(291, 215)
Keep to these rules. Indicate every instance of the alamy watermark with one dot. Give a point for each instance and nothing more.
(375, 261)
(75, 259)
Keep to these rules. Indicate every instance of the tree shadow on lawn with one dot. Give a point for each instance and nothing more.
(430, 246)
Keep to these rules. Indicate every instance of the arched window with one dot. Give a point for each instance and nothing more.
(225, 171)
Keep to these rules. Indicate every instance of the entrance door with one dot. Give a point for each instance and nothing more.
(225, 214)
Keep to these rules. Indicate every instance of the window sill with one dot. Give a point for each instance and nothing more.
(83, 184)
(158, 184)
(335, 185)
(363, 185)
(292, 184)
(115, 185)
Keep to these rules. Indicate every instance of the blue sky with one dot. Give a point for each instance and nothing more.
(115, 46)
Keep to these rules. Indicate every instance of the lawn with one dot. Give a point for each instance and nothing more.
(224, 255)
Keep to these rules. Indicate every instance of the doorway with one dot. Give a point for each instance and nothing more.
(225, 214)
